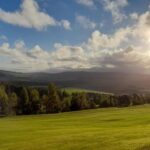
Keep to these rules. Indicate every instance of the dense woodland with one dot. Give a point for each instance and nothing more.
(21, 100)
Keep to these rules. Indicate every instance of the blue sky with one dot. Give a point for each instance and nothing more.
(66, 24)
(63, 9)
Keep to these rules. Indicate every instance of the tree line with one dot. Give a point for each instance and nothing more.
(23, 100)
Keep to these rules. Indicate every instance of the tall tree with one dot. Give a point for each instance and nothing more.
(13, 101)
(53, 104)
(34, 101)
(79, 101)
(3, 101)
(24, 101)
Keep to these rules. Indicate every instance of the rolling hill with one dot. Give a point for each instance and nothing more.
(115, 82)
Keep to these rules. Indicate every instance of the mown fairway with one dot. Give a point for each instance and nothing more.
(101, 129)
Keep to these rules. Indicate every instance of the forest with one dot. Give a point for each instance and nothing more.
(26, 100)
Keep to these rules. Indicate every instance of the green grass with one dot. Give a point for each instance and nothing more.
(101, 129)
(77, 90)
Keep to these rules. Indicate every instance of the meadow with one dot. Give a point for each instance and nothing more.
(98, 129)
(78, 90)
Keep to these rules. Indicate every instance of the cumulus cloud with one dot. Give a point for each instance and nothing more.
(37, 59)
(126, 49)
(115, 8)
(85, 22)
(30, 16)
(99, 40)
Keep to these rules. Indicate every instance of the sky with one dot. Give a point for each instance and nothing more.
(73, 35)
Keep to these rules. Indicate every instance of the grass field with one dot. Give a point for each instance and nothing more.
(77, 90)
(101, 129)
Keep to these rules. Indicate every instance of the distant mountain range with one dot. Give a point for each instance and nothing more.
(115, 82)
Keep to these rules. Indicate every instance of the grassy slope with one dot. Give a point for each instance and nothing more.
(101, 129)
(77, 90)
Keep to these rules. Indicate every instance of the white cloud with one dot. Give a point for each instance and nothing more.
(134, 16)
(30, 16)
(99, 40)
(142, 30)
(37, 59)
(19, 44)
(126, 49)
(89, 3)
(66, 24)
(115, 8)
(85, 22)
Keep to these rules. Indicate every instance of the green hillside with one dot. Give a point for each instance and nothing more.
(78, 90)
(99, 129)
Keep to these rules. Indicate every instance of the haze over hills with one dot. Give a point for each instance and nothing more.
(100, 81)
